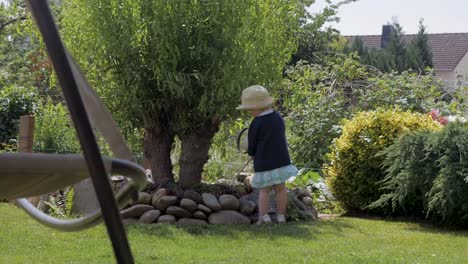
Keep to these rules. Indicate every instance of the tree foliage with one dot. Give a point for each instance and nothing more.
(397, 48)
(14, 102)
(400, 55)
(354, 172)
(54, 132)
(419, 55)
(317, 36)
(180, 65)
(316, 97)
(427, 175)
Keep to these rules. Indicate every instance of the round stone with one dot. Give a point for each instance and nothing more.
(229, 202)
(178, 212)
(166, 219)
(157, 195)
(188, 204)
(165, 202)
(210, 201)
(150, 216)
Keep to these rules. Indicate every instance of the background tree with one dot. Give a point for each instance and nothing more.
(176, 68)
(399, 56)
(13, 45)
(316, 34)
(18, 94)
(397, 48)
(419, 54)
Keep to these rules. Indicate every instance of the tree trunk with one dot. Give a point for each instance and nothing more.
(157, 145)
(194, 152)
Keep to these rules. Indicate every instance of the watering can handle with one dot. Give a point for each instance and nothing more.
(240, 138)
(245, 165)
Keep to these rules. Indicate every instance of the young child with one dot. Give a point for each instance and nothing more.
(268, 148)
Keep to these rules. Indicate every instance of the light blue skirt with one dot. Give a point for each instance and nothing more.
(277, 176)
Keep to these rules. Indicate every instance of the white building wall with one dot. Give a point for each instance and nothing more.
(461, 71)
(448, 77)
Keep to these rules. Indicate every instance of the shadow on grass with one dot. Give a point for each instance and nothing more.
(414, 224)
(436, 229)
(296, 230)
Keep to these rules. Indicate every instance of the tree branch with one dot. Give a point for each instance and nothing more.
(3, 25)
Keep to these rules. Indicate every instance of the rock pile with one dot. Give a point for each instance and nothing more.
(193, 208)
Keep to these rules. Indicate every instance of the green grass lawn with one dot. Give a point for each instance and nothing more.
(342, 240)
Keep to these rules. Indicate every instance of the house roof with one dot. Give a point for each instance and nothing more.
(448, 49)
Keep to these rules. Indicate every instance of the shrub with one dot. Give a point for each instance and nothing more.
(314, 98)
(312, 181)
(14, 102)
(411, 169)
(54, 132)
(354, 172)
(428, 175)
(448, 197)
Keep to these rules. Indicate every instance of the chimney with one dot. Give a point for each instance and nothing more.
(386, 35)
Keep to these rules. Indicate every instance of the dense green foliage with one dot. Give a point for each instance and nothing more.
(177, 68)
(315, 97)
(54, 132)
(24, 69)
(410, 170)
(14, 102)
(400, 55)
(316, 35)
(180, 58)
(14, 53)
(397, 49)
(448, 198)
(427, 175)
(17, 96)
(419, 54)
(354, 172)
(313, 101)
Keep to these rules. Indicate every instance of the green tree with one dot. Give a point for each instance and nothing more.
(177, 68)
(419, 54)
(397, 48)
(316, 35)
(359, 47)
(23, 60)
(13, 45)
(18, 95)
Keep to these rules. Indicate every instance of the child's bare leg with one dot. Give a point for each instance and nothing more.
(281, 198)
(263, 201)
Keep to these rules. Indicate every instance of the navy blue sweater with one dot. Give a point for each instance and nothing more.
(267, 142)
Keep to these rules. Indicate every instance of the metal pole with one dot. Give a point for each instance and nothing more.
(56, 51)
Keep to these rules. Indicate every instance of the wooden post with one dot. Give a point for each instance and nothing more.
(25, 143)
(26, 133)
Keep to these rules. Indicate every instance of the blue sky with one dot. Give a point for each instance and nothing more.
(366, 17)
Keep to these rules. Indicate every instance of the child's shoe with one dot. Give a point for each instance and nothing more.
(280, 218)
(266, 219)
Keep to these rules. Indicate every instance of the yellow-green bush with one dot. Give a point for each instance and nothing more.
(355, 171)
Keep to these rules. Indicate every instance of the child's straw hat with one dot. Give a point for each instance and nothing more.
(255, 97)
